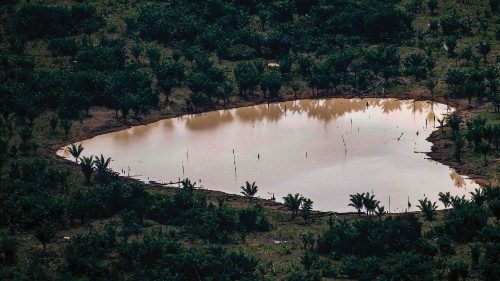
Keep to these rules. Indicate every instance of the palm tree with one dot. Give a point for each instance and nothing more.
(457, 201)
(188, 186)
(491, 193)
(454, 122)
(428, 208)
(101, 166)
(370, 203)
(66, 124)
(75, 151)
(26, 134)
(432, 5)
(431, 85)
(53, 122)
(293, 203)
(445, 198)
(484, 148)
(478, 196)
(459, 144)
(483, 48)
(87, 166)
(357, 201)
(249, 190)
(306, 210)
(380, 211)
(45, 233)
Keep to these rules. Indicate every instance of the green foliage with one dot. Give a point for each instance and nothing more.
(8, 248)
(75, 151)
(247, 77)
(293, 203)
(415, 65)
(464, 221)
(38, 21)
(357, 201)
(249, 190)
(45, 233)
(270, 83)
(458, 268)
(306, 209)
(87, 167)
(428, 208)
(445, 198)
(367, 237)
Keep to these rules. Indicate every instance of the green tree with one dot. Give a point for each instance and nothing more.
(357, 201)
(87, 167)
(26, 134)
(431, 85)
(75, 151)
(494, 5)
(306, 209)
(136, 51)
(66, 124)
(484, 148)
(415, 65)
(271, 83)
(247, 77)
(484, 48)
(54, 120)
(478, 196)
(227, 91)
(432, 5)
(293, 202)
(8, 248)
(459, 142)
(428, 208)
(380, 211)
(170, 73)
(445, 198)
(458, 268)
(249, 190)
(45, 233)
(370, 203)
(101, 166)
(451, 45)
(454, 122)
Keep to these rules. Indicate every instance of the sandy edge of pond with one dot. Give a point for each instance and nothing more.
(103, 121)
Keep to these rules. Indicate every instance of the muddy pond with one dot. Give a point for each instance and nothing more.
(323, 149)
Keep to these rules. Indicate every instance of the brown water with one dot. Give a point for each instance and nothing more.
(322, 149)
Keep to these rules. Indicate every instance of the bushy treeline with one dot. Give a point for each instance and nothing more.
(220, 49)
(397, 248)
(37, 21)
(35, 191)
(40, 198)
(480, 136)
(226, 27)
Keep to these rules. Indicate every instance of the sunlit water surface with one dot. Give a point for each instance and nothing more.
(322, 149)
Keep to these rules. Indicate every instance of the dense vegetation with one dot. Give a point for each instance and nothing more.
(60, 58)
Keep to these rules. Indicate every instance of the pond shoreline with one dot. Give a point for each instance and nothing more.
(103, 121)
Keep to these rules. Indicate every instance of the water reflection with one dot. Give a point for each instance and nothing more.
(324, 149)
(458, 180)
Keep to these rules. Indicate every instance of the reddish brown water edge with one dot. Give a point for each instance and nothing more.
(323, 149)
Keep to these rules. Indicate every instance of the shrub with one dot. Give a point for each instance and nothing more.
(463, 222)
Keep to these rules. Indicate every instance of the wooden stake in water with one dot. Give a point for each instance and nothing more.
(345, 147)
